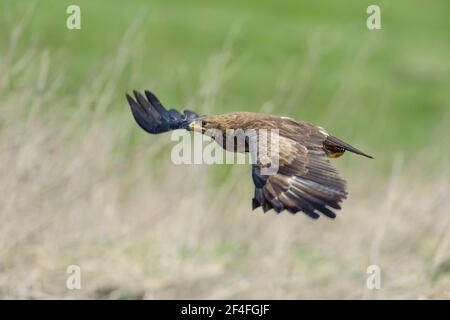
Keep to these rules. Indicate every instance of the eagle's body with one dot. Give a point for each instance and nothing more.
(304, 180)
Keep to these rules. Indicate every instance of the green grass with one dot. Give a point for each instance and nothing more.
(383, 90)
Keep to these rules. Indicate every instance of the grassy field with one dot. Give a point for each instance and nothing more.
(82, 184)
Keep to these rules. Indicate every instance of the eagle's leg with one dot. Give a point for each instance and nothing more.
(333, 151)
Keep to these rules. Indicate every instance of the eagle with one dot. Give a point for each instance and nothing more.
(305, 181)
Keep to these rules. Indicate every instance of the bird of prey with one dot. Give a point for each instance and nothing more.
(305, 180)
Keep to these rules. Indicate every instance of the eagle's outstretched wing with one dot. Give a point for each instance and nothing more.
(305, 179)
(151, 116)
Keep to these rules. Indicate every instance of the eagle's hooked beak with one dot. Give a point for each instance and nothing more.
(195, 126)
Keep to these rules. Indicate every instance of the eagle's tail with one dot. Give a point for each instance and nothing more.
(151, 116)
(335, 147)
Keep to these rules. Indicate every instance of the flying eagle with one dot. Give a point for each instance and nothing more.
(304, 181)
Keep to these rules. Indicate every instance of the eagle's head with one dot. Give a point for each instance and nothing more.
(203, 124)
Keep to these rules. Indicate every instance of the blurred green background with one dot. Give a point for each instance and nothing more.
(82, 184)
(384, 90)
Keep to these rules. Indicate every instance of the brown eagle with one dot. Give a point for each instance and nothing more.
(304, 180)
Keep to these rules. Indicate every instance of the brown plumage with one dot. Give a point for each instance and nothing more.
(304, 179)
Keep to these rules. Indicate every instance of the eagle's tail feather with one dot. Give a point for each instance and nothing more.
(335, 147)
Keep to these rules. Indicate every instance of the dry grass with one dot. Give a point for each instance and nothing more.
(68, 196)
